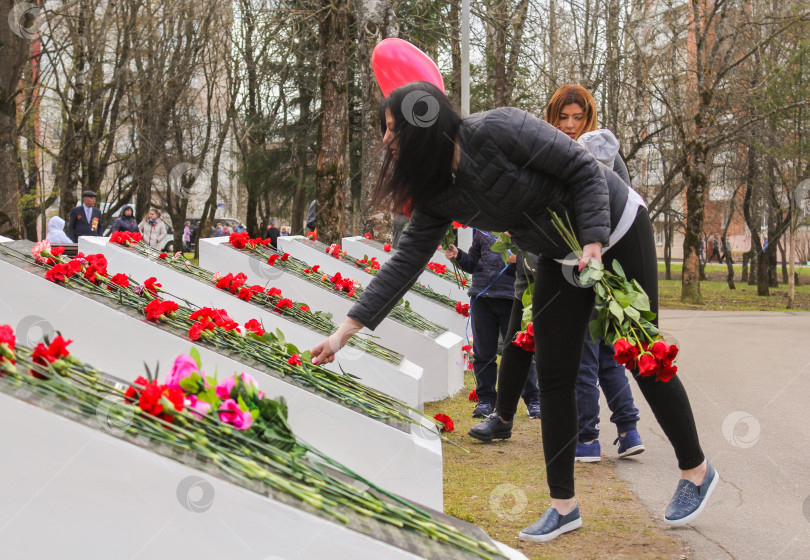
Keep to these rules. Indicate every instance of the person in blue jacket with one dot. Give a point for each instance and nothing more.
(506, 170)
(493, 284)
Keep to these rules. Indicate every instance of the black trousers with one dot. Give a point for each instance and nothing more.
(562, 310)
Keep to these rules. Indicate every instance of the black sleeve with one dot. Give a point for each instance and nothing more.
(71, 231)
(416, 247)
(468, 261)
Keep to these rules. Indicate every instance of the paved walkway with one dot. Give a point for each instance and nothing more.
(748, 378)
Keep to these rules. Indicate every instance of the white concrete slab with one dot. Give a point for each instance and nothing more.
(440, 357)
(81, 493)
(402, 381)
(408, 463)
(4, 239)
(358, 246)
(430, 309)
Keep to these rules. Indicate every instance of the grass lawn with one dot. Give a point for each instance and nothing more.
(501, 487)
(718, 296)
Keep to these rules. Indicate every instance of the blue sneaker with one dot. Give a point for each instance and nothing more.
(629, 444)
(551, 525)
(689, 500)
(588, 452)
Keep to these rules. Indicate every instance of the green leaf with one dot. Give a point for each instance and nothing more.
(600, 290)
(195, 355)
(189, 385)
(622, 298)
(498, 247)
(632, 312)
(527, 298)
(618, 269)
(649, 315)
(616, 309)
(526, 318)
(280, 337)
(292, 348)
(640, 300)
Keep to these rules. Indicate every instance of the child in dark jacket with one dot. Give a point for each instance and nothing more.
(491, 292)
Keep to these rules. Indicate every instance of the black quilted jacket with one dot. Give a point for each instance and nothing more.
(514, 167)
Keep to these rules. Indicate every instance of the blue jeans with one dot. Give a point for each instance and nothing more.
(598, 368)
(489, 317)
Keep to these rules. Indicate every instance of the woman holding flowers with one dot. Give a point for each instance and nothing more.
(507, 170)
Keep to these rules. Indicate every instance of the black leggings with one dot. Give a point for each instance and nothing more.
(561, 314)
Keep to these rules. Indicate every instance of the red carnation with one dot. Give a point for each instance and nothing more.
(295, 360)
(162, 256)
(272, 260)
(368, 236)
(154, 310)
(447, 421)
(57, 251)
(58, 273)
(245, 294)
(316, 267)
(120, 280)
(225, 282)
(285, 256)
(195, 331)
(74, 266)
(284, 304)
(152, 285)
(255, 327)
(387, 247)
(133, 393)
(273, 292)
(463, 309)
(473, 396)
(304, 308)
(239, 240)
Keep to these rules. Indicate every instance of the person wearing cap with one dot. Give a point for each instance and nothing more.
(272, 233)
(85, 219)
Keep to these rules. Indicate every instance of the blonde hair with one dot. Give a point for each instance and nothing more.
(567, 95)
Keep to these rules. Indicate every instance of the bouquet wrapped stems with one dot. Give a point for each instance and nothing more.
(624, 318)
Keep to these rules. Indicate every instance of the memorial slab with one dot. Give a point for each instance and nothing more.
(438, 354)
(402, 381)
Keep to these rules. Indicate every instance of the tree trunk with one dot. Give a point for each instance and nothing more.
(330, 175)
(376, 22)
(14, 47)
(668, 245)
(695, 195)
(745, 260)
(783, 252)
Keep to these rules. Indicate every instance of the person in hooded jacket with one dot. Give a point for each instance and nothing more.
(490, 308)
(56, 231)
(506, 170)
(126, 221)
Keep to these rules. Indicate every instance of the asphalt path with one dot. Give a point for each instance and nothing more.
(748, 379)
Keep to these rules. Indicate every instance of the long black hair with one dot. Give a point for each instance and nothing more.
(425, 127)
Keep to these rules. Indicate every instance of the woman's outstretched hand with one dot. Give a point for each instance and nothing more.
(452, 252)
(590, 251)
(324, 352)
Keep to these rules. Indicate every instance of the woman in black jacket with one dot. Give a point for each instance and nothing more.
(505, 170)
(126, 221)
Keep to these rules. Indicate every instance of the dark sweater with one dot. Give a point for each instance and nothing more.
(485, 266)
